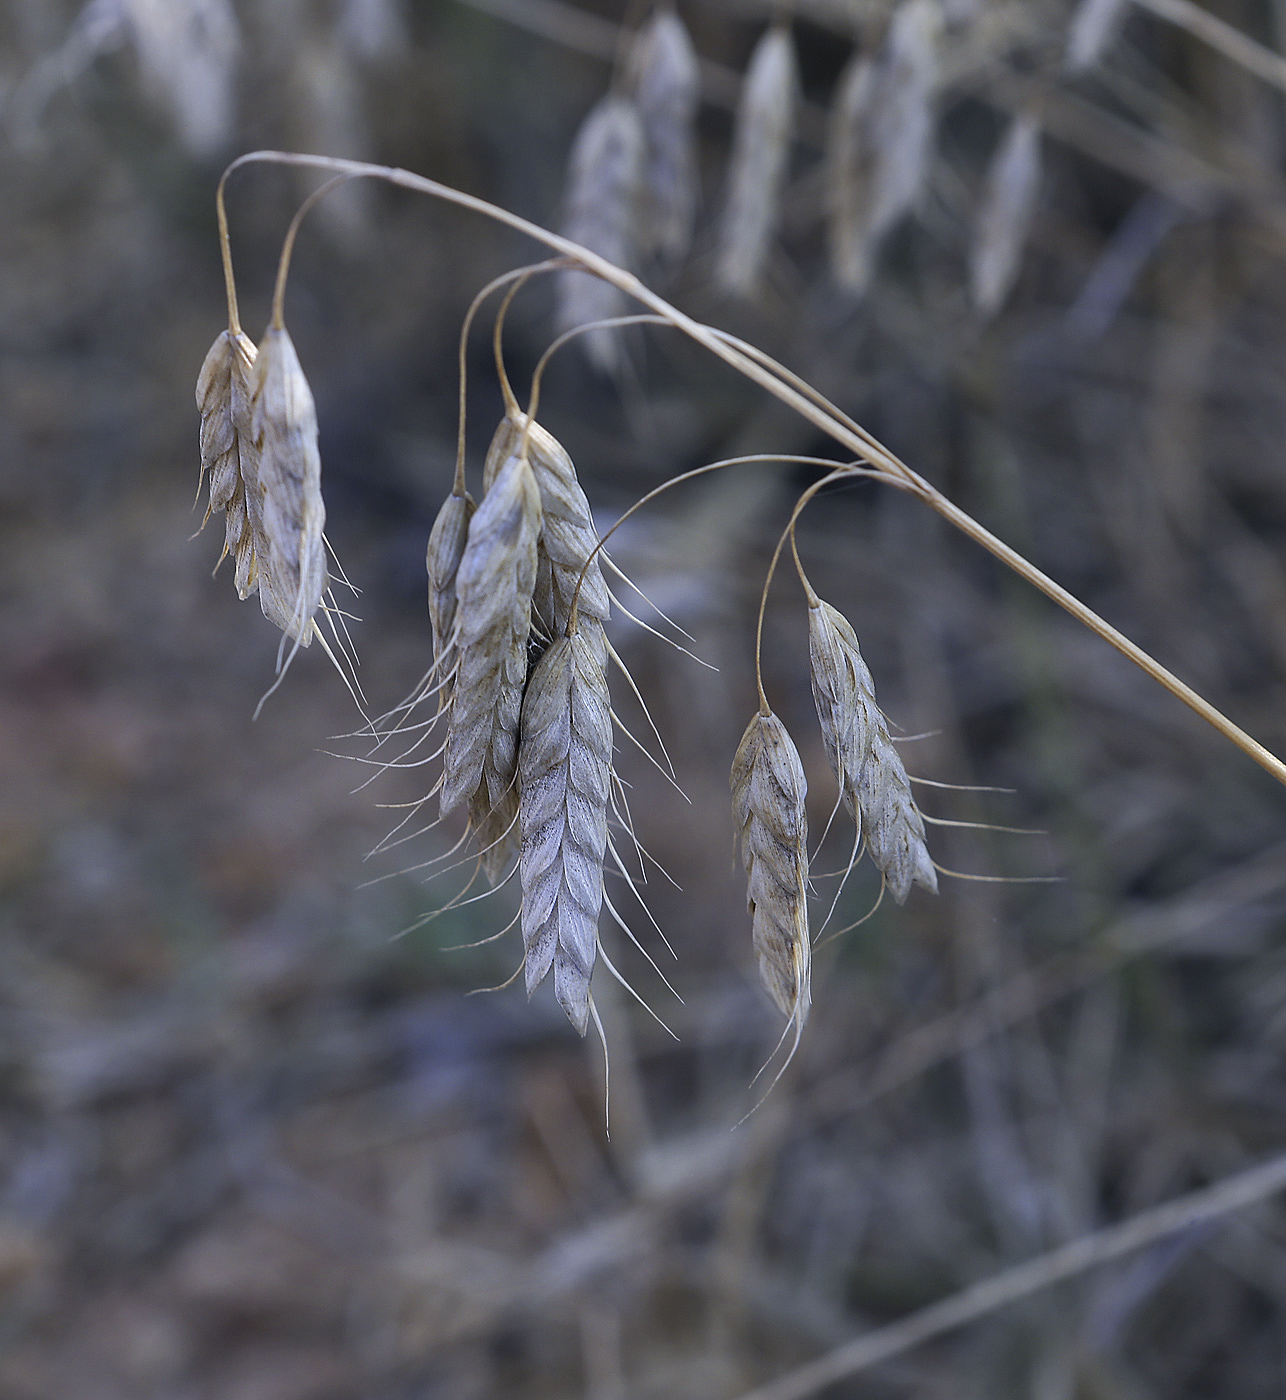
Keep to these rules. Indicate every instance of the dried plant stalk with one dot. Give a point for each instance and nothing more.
(872, 779)
(666, 82)
(605, 177)
(223, 392)
(442, 559)
(768, 790)
(760, 155)
(565, 776)
(285, 503)
(1094, 26)
(1009, 199)
(493, 586)
(881, 138)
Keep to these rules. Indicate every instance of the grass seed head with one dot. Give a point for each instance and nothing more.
(872, 779)
(223, 392)
(604, 184)
(565, 767)
(1004, 216)
(493, 585)
(442, 562)
(760, 156)
(494, 828)
(284, 505)
(768, 791)
(666, 81)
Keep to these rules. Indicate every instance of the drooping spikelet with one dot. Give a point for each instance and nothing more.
(1008, 201)
(493, 586)
(1093, 27)
(881, 138)
(604, 181)
(760, 155)
(565, 775)
(768, 790)
(567, 534)
(442, 562)
(223, 392)
(666, 82)
(284, 504)
(872, 779)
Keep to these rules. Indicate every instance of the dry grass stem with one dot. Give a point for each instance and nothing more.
(223, 391)
(666, 80)
(285, 502)
(768, 791)
(1094, 26)
(1004, 216)
(565, 783)
(760, 156)
(494, 584)
(872, 779)
(604, 184)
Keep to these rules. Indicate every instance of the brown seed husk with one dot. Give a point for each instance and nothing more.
(768, 791)
(872, 779)
(1004, 216)
(223, 392)
(285, 506)
(493, 585)
(567, 534)
(666, 82)
(760, 155)
(604, 183)
(565, 777)
(442, 562)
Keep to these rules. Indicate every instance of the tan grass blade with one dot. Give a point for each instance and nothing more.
(494, 585)
(565, 782)
(285, 507)
(223, 391)
(1004, 216)
(872, 779)
(604, 181)
(768, 791)
(760, 156)
(666, 81)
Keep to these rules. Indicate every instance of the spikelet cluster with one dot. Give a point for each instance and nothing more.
(442, 559)
(770, 822)
(760, 156)
(872, 779)
(1004, 216)
(223, 391)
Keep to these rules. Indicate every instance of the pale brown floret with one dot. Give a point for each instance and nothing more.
(284, 505)
(757, 169)
(494, 585)
(442, 559)
(223, 391)
(872, 779)
(768, 791)
(565, 781)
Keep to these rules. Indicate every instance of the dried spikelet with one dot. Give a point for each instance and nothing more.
(666, 82)
(187, 52)
(768, 790)
(223, 392)
(872, 779)
(285, 503)
(442, 562)
(567, 534)
(565, 777)
(1009, 198)
(881, 138)
(604, 181)
(1094, 26)
(493, 586)
(760, 154)
(495, 831)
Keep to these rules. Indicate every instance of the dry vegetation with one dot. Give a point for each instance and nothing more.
(256, 1145)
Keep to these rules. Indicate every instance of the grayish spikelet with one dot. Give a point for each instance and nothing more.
(567, 534)
(666, 81)
(285, 504)
(604, 180)
(442, 562)
(760, 155)
(768, 790)
(495, 831)
(565, 777)
(1093, 28)
(881, 139)
(223, 392)
(493, 587)
(872, 779)
(1004, 216)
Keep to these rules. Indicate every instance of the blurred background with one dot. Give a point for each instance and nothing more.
(258, 1142)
